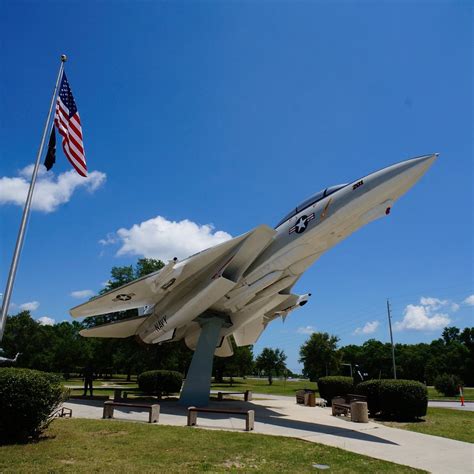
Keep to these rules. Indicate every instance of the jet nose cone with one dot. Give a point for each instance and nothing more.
(395, 180)
(424, 161)
(412, 170)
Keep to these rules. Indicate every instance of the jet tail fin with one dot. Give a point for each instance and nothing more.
(249, 333)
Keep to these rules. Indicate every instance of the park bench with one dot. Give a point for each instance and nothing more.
(249, 415)
(342, 405)
(153, 410)
(247, 395)
(118, 393)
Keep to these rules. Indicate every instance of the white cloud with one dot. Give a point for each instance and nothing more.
(423, 317)
(433, 303)
(45, 321)
(369, 328)
(109, 239)
(30, 306)
(50, 190)
(307, 330)
(469, 300)
(80, 294)
(164, 239)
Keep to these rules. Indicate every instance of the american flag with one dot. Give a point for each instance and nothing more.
(68, 123)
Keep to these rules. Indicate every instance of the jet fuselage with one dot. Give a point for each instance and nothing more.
(300, 239)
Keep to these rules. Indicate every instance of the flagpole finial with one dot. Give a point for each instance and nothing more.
(63, 58)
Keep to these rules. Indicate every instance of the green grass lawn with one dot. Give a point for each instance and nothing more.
(279, 387)
(101, 386)
(445, 422)
(79, 382)
(433, 394)
(116, 446)
(289, 387)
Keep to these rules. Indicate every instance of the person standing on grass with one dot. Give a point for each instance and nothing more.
(88, 378)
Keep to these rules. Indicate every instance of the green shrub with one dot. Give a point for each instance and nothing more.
(397, 399)
(160, 382)
(403, 399)
(332, 386)
(447, 384)
(27, 400)
(370, 389)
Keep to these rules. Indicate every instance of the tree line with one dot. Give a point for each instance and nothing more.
(60, 348)
(452, 353)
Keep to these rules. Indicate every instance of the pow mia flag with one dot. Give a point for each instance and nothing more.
(50, 158)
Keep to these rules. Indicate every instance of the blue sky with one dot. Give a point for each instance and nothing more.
(229, 113)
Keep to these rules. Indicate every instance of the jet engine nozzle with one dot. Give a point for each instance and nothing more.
(303, 299)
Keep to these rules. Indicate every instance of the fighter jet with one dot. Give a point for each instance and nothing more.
(247, 282)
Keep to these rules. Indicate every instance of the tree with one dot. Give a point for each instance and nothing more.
(451, 334)
(25, 335)
(319, 355)
(377, 359)
(467, 339)
(449, 355)
(411, 360)
(271, 362)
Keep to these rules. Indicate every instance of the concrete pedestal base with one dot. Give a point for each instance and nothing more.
(359, 412)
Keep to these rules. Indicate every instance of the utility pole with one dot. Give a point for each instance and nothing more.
(391, 339)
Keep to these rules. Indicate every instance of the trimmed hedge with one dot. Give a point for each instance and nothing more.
(397, 399)
(160, 382)
(447, 384)
(27, 400)
(334, 385)
(370, 389)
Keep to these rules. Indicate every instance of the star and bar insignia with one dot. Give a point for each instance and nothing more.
(301, 224)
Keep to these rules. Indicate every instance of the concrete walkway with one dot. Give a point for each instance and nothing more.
(280, 416)
(468, 406)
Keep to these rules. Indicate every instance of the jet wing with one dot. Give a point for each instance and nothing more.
(119, 329)
(154, 287)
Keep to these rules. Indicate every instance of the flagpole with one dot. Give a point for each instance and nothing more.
(26, 210)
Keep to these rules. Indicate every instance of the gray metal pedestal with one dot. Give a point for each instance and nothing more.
(197, 386)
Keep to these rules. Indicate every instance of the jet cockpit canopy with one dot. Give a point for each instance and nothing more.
(310, 201)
